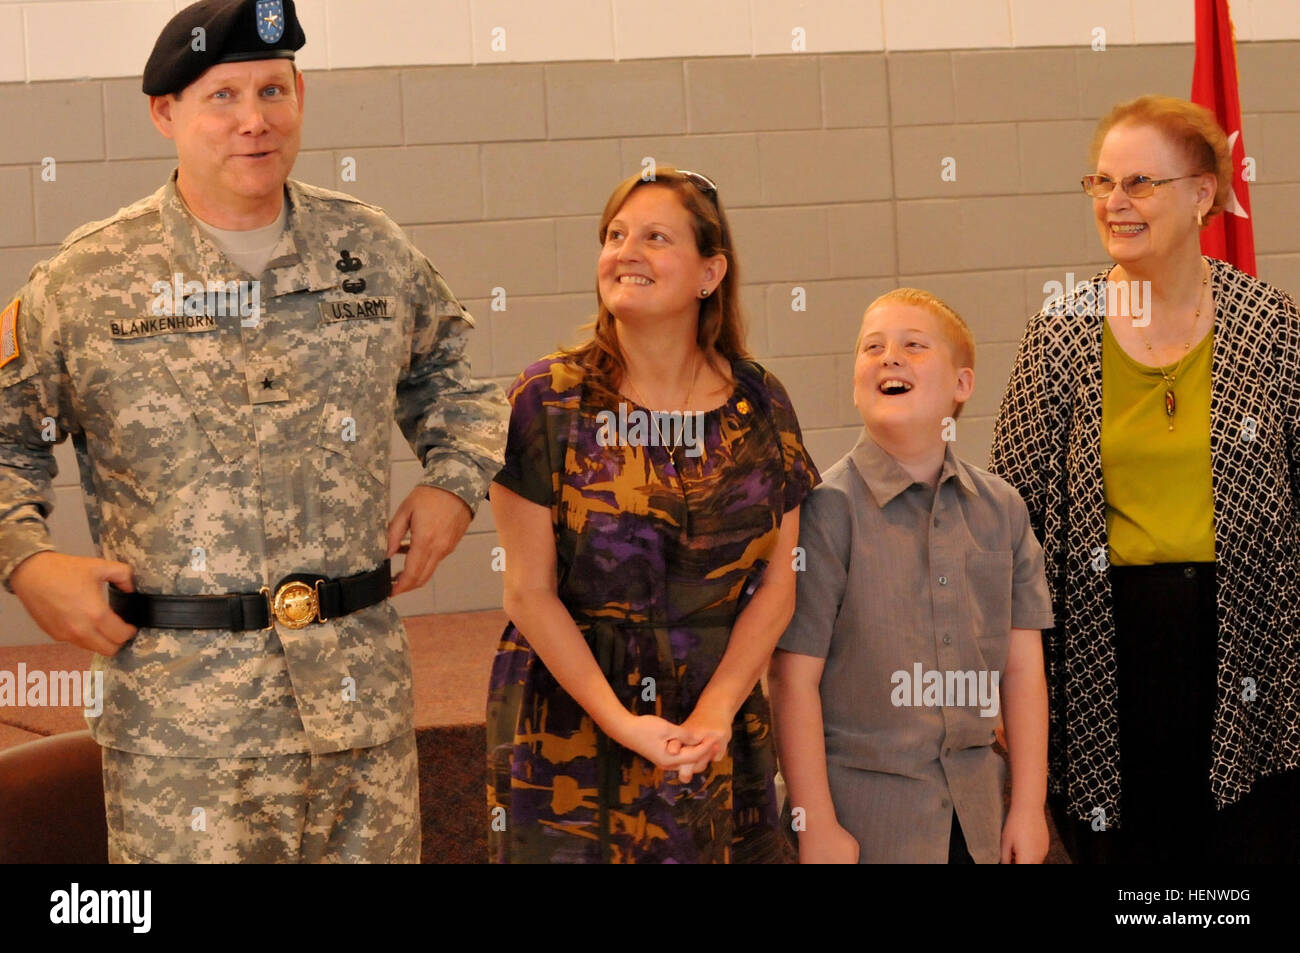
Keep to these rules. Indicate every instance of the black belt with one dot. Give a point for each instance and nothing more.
(299, 600)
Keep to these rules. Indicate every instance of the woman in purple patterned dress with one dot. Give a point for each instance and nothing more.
(649, 568)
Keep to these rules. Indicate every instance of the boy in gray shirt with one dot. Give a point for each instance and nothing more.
(918, 622)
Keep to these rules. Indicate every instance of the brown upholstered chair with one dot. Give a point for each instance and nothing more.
(52, 802)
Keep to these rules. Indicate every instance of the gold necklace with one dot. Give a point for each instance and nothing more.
(695, 373)
(1171, 405)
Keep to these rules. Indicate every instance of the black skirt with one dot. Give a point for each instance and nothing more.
(1166, 671)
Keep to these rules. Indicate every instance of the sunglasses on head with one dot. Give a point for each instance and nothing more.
(701, 182)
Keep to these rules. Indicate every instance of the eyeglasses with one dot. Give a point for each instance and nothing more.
(1134, 186)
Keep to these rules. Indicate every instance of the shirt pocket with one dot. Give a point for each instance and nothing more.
(988, 592)
(365, 356)
(216, 393)
(163, 411)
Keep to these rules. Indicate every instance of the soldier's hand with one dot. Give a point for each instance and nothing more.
(437, 520)
(65, 597)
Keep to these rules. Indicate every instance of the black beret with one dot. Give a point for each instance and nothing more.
(231, 30)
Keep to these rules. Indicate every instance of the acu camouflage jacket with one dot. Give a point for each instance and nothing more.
(230, 434)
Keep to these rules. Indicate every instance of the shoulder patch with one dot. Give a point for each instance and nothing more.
(9, 333)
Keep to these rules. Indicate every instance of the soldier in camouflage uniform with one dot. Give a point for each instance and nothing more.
(232, 429)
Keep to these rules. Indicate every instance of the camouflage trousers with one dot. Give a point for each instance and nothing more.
(356, 806)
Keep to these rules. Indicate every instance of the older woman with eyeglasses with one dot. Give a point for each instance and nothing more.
(648, 506)
(1151, 425)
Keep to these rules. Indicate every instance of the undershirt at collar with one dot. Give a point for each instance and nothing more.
(250, 249)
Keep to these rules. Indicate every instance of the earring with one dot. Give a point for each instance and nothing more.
(704, 292)
(1200, 218)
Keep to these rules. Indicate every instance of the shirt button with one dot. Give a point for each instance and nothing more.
(947, 752)
(936, 521)
(945, 803)
(947, 639)
(1189, 572)
(943, 580)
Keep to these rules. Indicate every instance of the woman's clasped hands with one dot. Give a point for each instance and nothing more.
(688, 747)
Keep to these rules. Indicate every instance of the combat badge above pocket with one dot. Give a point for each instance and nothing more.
(358, 305)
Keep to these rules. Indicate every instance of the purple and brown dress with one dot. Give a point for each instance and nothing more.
(656, 555)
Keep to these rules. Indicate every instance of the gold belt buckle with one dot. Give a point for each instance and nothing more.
(296, 605)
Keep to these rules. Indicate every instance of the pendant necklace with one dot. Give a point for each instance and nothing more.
(671, 468)
(1171, 404)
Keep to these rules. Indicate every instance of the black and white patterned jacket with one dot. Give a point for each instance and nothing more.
(1047, 444)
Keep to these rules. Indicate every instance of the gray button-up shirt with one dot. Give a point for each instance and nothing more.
(910, 595)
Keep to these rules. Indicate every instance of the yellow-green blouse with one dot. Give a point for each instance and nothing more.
(1159, 495)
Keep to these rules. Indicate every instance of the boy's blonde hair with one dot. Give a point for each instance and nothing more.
(955, 331)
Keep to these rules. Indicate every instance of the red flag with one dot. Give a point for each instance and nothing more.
(1229, 236)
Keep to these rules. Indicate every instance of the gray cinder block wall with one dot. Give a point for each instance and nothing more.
(829, 164)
